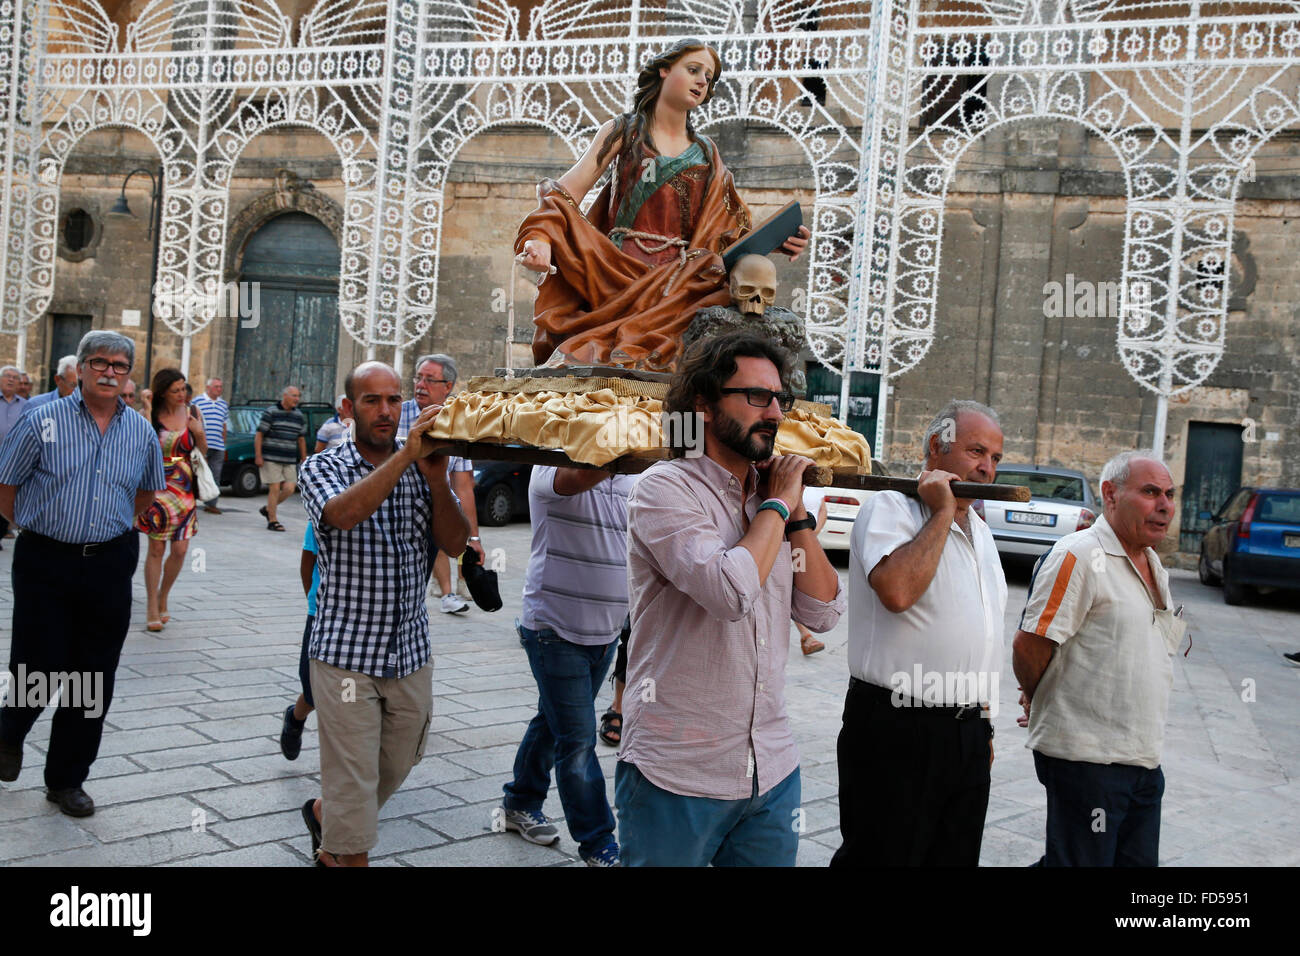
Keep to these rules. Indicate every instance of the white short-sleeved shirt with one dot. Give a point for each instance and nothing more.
(954, 630)
(1105, 694)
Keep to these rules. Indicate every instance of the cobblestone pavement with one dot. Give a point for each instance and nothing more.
(190, 771)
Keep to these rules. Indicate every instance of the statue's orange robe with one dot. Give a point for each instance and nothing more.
(607, 306)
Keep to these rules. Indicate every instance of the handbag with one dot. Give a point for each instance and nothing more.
(204, 484)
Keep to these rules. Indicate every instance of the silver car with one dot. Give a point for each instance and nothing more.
(1062, 503)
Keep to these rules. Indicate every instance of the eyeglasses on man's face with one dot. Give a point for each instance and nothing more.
(103, 365)
(762, 397)
(427, 380)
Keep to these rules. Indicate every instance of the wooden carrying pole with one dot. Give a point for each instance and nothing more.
(819, 476)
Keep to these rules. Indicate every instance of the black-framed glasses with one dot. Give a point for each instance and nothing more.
(103, 365)
(762, 397)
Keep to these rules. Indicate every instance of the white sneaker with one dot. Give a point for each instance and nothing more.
(451, 604)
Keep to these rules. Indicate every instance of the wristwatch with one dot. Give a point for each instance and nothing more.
(475, 537)
(792, 526)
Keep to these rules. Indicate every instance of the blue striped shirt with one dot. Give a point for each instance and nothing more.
(214, 412)
(74, 484)
(36, 401)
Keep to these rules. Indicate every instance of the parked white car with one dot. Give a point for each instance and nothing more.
(1062, 502)
(842, 506)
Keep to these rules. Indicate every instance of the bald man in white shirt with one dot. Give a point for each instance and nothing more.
(926, 598)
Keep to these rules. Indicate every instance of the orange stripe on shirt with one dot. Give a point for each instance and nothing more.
(1058, 592)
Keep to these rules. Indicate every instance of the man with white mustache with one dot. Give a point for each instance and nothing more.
(74, 474)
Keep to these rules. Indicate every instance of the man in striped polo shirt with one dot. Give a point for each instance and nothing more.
(75, 473)
(278, 445)
(1093, 656)
(574, 608)
(215, 411)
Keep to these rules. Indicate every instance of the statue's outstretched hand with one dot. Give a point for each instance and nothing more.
(536, 257)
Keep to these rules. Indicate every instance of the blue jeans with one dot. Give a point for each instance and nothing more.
(1100, 814)
(563, 735)
(660, 828)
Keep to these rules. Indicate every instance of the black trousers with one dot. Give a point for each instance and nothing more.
(914, 783)
(1100, 814)
(71, 614)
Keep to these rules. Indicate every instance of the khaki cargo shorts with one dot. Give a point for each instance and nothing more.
(372, 732)
(275, 471)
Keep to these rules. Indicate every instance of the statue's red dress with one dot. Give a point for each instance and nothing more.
(628, 299)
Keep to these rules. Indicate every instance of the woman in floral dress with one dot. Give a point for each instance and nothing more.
(172, 516)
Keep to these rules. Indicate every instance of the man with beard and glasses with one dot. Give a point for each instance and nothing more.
(379, 507)
(74, 473)
(721, 554)
(926, 598)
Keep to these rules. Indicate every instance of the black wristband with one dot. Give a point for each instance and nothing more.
(792, 526)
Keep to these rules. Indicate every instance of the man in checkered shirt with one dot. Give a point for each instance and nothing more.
(379, 508)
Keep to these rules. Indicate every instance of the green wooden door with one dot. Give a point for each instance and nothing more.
(1212, 474)
(294, 261)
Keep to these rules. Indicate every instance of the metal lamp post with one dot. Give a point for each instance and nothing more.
(153, 230)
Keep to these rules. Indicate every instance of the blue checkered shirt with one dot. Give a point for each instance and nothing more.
(370, 612)
(74, 484)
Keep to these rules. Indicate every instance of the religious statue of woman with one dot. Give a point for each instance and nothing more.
(621, 286)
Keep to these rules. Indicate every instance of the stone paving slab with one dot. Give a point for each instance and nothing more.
(190, 771)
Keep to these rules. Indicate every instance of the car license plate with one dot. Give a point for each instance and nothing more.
(1291, 540)
(1028, 517)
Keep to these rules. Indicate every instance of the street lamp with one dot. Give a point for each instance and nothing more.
(153, 230)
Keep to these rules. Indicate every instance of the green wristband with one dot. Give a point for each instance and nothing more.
(777, 505)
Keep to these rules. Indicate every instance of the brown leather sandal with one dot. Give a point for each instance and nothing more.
(810, 645)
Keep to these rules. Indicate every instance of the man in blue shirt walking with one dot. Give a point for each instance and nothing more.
(74, 473)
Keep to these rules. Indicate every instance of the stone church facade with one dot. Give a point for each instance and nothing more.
(1035, 213)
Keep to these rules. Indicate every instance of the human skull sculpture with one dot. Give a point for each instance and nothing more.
(753, 284)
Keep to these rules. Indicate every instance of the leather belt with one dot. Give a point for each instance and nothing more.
(86, 550)
(956, 711)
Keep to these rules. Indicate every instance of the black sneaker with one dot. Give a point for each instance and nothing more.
(291, 735)
(1292, 659)
(313, 829)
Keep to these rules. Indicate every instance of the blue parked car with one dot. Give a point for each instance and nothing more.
(1254, 543)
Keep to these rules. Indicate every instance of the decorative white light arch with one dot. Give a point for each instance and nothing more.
(398, 86)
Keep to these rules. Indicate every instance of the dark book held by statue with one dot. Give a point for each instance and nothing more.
(768, 236)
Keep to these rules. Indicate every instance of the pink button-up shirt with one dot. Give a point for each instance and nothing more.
(705, 702)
